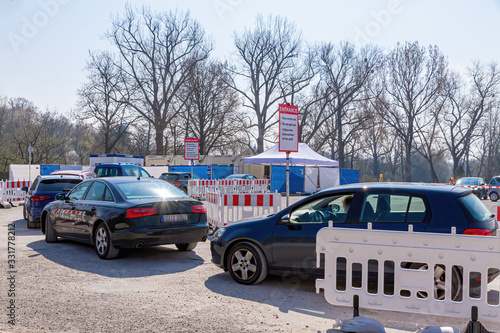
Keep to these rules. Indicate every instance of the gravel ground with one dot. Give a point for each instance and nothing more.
(65, 287)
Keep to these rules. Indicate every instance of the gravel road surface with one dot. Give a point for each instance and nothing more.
(65, 287)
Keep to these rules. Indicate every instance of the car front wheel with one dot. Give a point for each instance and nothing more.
(103, 243)
(247, 263)
(439, 282)
(186, 246)
(494, 196)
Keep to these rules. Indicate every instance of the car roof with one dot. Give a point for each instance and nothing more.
(70, 172)
(176, 173)
(59, 177)
(408, 187)
(116, 164)
(240, 175)
(126, 179)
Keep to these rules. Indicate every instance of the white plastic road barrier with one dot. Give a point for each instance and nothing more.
(10, 190)
(224, 209)
(413, 272)
(495, 209)
(199, 188)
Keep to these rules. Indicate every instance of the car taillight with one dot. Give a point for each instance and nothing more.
(199, 209)
(39, 197)
(133, 213)
(478, 232)
(177, 183)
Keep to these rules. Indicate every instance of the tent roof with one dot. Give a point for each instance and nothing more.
(305, 156)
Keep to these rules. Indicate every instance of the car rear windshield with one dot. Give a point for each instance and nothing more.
(169, 177)
(467, 181)
(57, 185)
(473, 208)
(138, 190)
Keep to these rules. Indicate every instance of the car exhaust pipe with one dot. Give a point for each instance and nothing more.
(139, 245)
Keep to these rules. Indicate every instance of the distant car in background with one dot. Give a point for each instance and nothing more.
(178, 179)
(241, 176)
(482, 193)
(120, 170)
(494, 193)
(43, 191)
(83, 174)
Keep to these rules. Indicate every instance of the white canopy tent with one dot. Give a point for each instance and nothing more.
(328, 176)
(305, 156)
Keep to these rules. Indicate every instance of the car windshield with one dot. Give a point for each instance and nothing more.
(474, 208)
(467, 181)
(57, 185)
(169, 177)
(138, 190)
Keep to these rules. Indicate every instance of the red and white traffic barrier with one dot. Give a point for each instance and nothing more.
(10, 190)
(224, 209)
(199, 188)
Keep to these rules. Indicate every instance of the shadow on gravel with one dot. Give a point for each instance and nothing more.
(150, 261)
(291, 293)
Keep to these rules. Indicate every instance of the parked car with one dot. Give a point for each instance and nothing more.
(124, 212)
(285, 242)
(494, 192)
(82, 174)
(241, 176)
(178, 179)
(42, 191)
(120, 169)
(481, 192)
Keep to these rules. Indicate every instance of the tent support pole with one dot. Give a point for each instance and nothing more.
(287, 177)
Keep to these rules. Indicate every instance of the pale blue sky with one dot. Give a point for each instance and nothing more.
(44, 43)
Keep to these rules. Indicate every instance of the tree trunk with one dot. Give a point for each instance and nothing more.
(159, 140)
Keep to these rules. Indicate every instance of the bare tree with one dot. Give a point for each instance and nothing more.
(346, 72)
(158, 54)
(102, 100)
(265, 56)
(211, 107)
(414, 81)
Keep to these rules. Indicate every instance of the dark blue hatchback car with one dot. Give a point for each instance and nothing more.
(42, 191)
(285, 242)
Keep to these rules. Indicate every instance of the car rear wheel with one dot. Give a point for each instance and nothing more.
(103, 243)
(186, 246)
(439, 282)
(50, 234)
(494, 196)
(25, 213)
(247, 263)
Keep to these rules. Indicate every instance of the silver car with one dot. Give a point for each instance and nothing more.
(494, 192)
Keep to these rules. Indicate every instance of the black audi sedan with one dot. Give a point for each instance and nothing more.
(285, 242)
(125, 212)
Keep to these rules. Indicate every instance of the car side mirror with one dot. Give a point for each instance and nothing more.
(285, 219)
(60, 196)
(24, 189)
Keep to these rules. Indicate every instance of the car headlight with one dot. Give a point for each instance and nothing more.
(218, 234)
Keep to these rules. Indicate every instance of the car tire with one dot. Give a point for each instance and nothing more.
(25, 211)
(247, 263)
(103, 244)
(494, 196)
(439, 280)
(186, 246)
(50, 234)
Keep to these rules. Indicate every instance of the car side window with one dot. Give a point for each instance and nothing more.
(107, 195)
(131, 171)
(96, 192)
(78, 192)
(35, 183)
(144, 173)
(333, 208)
(393, 208)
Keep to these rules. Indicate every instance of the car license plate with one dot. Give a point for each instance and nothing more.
(174, 218)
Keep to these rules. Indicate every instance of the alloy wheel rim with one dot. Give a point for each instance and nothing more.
(243, 264)
(101, 241)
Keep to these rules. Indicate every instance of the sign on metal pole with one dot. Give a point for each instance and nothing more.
(289, 137)
(289, 128)
(191, 149)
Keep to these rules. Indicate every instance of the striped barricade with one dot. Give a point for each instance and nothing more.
(224, 209)
(416, 272)
(10, 190)
(199, 188)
